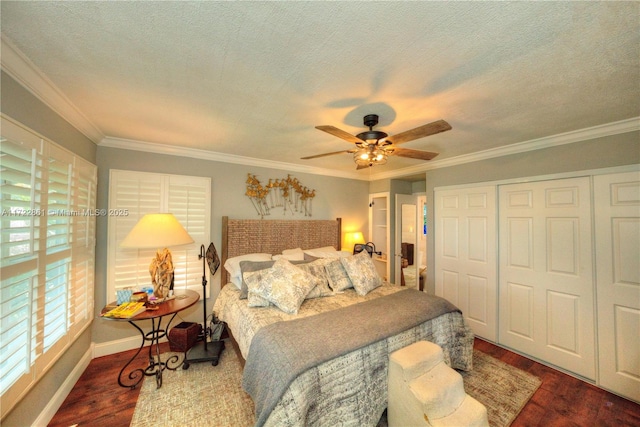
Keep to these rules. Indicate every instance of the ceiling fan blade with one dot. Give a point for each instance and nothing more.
(358, 167)
(326, 154)
(420, 132)
(340, 134)
(413, 154)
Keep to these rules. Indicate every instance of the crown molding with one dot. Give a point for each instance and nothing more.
(608, 129)
(151, 147)
(25, 72)
(622, 126)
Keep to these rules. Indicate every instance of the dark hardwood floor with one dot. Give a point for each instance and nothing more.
(561, 400)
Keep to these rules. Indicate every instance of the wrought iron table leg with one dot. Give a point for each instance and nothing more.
(156, 365)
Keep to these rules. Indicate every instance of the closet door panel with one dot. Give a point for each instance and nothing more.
(465, 233)
(450, 287)
(617, 213)
(521, 311)
(546, 283)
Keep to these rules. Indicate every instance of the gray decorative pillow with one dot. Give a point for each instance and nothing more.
(338, 277)
(284, 285)
(362, 272)
(316, 268)
(232, 265)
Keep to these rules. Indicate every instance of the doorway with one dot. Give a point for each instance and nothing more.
(406, 244)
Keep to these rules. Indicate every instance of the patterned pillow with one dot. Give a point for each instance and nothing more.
(250, 267)
(316, 268)
(338, 277)
(253, 299)
(253, 266)
(284, 285)
(362, 272)
(258, 268)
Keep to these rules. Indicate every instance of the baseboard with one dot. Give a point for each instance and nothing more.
(63, 391)
(117, 346)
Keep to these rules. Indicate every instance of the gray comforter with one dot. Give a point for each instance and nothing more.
(282, 351)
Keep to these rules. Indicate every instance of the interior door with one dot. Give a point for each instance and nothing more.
(617, 215)
(465, 255)
(406, 271)
(546, 274)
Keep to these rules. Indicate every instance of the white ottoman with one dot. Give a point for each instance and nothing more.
(424, 391)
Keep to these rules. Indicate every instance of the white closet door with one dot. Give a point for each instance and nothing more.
(617, 212)
(465, 258)
(546, 279)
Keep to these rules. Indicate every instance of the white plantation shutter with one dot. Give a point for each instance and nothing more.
(83, 242)
(56, 286)
(136, 194)
(188, 198)
(46, 285)
(20, 193)
(189, 201)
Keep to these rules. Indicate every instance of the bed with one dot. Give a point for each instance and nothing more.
(327, 362)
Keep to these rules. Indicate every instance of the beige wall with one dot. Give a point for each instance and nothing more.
(20, 104)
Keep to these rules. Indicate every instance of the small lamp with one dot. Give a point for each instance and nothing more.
(157, 231)
(351, 238)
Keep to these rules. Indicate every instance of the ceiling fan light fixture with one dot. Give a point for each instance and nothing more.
(373, 147)
(370, 157)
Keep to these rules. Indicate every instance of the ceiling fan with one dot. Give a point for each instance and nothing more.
(373, 146)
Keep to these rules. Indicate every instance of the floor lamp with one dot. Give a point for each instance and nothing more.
(205, 351)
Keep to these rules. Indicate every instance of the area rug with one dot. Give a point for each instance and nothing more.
(212, 395)
(503, 389)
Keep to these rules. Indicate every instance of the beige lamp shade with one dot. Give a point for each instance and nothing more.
(155, 231)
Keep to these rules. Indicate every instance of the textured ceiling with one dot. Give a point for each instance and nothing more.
(254, 78)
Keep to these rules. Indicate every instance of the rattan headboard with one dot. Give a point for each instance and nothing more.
(246, 236)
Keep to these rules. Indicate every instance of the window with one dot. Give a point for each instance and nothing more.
(47, 255)
(188, 198)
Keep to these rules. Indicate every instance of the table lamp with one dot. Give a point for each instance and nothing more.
(351, 238)
(158, 230)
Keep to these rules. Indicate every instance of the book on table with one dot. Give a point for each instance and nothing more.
(126, 310)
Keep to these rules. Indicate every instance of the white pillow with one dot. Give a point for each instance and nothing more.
(291, 255)
(362, 272)
(284, 285)
(326, 252)
(232, 265)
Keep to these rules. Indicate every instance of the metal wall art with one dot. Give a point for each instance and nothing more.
(288, 194)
